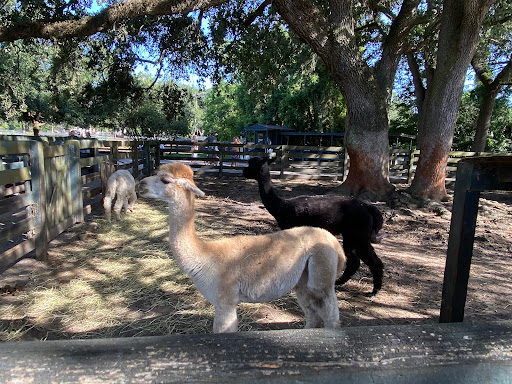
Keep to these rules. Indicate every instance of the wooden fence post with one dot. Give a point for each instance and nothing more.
(38, 196)
(158, 154)
(147, 159)
(221, 158)
(135, 159)
(75, 180)
(114, 153)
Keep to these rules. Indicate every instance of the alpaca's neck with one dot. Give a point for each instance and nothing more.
(268, 194)
(184, 242)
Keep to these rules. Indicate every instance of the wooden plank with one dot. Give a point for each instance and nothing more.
(15, 253)
(89, 161)
(74, 188)
(11, 176)
(14, 147)
(420, 354)
(89, 178)
(89, 192)
(36, 152)
(88, 208)
(17, 229)
(54, 151)
(14, 203)
(9, 191)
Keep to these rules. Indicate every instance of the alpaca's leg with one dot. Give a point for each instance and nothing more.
(225, 319)
(118, 205)
(353, 263)
(321, 279)
(131, 200)
(306, 303)
(328, 310)
(125, 205)
(371, 259)
(107, 205)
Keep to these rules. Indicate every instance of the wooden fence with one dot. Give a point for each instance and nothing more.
(222, 160)
(46, 186)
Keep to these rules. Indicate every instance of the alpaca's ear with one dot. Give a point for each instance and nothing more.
(187, 184)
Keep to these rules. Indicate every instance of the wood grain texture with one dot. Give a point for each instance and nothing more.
(428, 353)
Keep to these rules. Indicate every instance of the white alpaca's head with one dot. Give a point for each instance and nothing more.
(171, 181)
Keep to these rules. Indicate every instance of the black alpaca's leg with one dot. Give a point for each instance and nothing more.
(352, 266)
(370, 258)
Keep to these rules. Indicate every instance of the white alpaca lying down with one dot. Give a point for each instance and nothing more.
(249, 268)
(120, 185)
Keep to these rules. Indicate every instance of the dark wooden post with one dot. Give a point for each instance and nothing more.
(114, 153)
(473, 176)
(221, 158)
(158, 154)
(36, 152)
(460, 246)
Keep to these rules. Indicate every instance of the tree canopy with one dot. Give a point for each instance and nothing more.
(309, 64)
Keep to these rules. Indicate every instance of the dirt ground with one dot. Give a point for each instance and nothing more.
(413, 253)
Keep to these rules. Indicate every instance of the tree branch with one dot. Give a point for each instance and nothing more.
(481, 72)
(156, 77)
(313, 27)
(395, 43)
(505, 74)
(257, 12)
(104, 20)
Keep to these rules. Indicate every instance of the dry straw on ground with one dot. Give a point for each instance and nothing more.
(119, 279)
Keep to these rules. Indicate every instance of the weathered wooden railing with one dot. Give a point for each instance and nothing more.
(395, 354)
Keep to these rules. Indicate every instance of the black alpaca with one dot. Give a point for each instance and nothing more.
(355, 220)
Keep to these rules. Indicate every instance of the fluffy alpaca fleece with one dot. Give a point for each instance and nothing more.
(249, 268)
(358, 222)
(121, 186)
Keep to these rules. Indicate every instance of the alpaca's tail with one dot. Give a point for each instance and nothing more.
(342, 259)
(378, 222)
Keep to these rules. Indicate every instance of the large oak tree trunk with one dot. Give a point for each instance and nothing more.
(458, 37)
(367, 144)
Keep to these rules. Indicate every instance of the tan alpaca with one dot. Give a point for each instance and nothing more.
(249, 268)
(120, 185)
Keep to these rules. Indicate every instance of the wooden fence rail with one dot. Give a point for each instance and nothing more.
(46, 186)
(394, 354)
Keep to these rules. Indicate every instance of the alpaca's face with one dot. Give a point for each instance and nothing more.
(171, 182)
(156, 187)
(256, 167)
